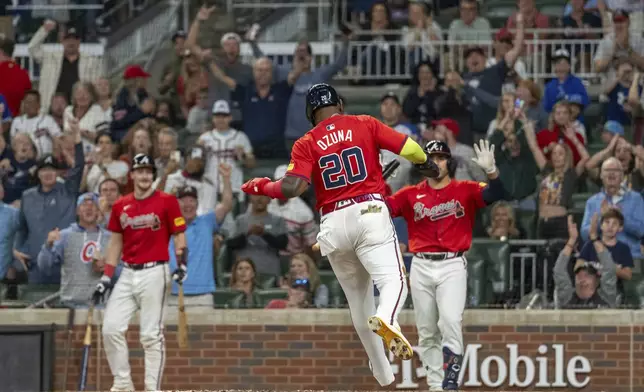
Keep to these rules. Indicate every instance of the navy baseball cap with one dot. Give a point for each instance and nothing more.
(614, 127)
(187, 190)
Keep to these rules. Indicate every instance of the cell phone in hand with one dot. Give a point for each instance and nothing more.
(518, 106)
(345, 29)
(176, 156)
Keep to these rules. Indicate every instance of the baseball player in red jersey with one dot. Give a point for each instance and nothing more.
(440, 214)
(340, 157)
(141, 224)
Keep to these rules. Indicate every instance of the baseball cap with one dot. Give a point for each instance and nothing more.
(620, 16)
(614, 127)
(87, 196)
(179, 34)
(48, 160)
(449, 124)
(592, 267)
(390, 95)
(221, 107)
(503, 35)
(134, 71)
(72, 33)
(575, 99)
(280, 171)
(187, 190)
(561, 53)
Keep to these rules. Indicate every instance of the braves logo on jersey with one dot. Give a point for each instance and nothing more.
(150, 221)
(443, 210)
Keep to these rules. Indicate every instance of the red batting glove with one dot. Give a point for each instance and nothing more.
(255, 186)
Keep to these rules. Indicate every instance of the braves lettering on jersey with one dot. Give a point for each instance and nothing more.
(341, 157)
(146, 226)
(439, 220)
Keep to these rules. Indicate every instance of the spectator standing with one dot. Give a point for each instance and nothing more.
(565, 85)
(423, 34)
(47, 206)
(530, 93)
(260, 235)
(57, 109)
(41, 128)
(192, 80)
(447, 130)
(102, 164)
(561, 130)
(199, 117)
(224, 144)
(532, 19)
(621, 44)
(78, 251)
(503, 43)
(469, 27)
(618, 107)
(19, 167)
(575, 24)
(391, 114)
(264, 103)
(104, 97)
(559, 181)
(8, 229)
(612, 222)
(517, 167)
(453, 104)
(172, 69)
(626, 154)
(613, 194)
(300, 221)
(166, 145)
(595, 284)
(60, 70)
(200, 284)
(141, 144)
(296, 122)
(419, 105)
(132, 102)
(88, 113)
(194, 175)
(483, 86)
(15, 80)
(108, 194)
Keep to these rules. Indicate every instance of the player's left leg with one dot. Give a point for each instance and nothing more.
(378, 250)
(358, 288)
(451, 294)
(152, 293)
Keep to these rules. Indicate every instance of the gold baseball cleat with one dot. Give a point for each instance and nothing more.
(393, 338)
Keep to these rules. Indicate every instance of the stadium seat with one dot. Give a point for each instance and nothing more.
(225, 298)
(32, 293)
(496, 255)
(327, 278)
(527, 220)
(265, 296)
(225, 279)
(634, 291)
(579, 200)
(476, 282)
(267, 281)
(221, 261)
(337, 297)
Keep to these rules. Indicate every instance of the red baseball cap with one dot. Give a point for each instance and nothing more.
(134, 71)
(448, 123)
(503, 35)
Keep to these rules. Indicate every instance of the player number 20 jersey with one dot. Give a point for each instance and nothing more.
(340, 157)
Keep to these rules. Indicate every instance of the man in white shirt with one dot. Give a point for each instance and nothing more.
(194, 175)
(41, 128)
(226, 145)
(300, 221)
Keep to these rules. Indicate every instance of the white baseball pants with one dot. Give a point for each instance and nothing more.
(362, 248)
(145, 290)
(438, 291)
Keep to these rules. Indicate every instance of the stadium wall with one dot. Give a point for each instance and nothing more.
(594, 350)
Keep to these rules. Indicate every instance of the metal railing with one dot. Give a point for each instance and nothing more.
(528, 264)
(371, 59)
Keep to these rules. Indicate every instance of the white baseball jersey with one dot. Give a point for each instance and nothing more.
(206, 194)
(221, 147)
(42, 129)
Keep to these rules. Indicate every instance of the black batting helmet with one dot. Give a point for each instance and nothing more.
(438, 147)
(319, 96)
(144, 161)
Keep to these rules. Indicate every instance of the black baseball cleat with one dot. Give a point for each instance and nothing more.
(452, 366)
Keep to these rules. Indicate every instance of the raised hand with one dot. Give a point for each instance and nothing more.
(485, 156)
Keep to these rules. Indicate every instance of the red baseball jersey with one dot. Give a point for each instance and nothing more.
(341, 157)
(439, 220)
(146, 226)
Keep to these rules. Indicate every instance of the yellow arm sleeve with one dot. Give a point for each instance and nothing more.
(412, 152)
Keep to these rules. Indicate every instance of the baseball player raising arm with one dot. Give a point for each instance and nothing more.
(440, 214)
(340, 156)
(141, 224)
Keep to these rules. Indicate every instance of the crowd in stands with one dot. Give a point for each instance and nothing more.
(211, 120)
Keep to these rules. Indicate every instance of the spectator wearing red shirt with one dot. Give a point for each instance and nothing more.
(561, 130)
(14, 80)
(532, 19)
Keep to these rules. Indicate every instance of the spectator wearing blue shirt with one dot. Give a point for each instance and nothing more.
(612, 222)
(5, 114)
(200, 283)
(628, 202)
(263, 103)
(618, 109)
(8, 229)
(565, 86)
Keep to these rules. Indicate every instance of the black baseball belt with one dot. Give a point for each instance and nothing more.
(439, 256)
